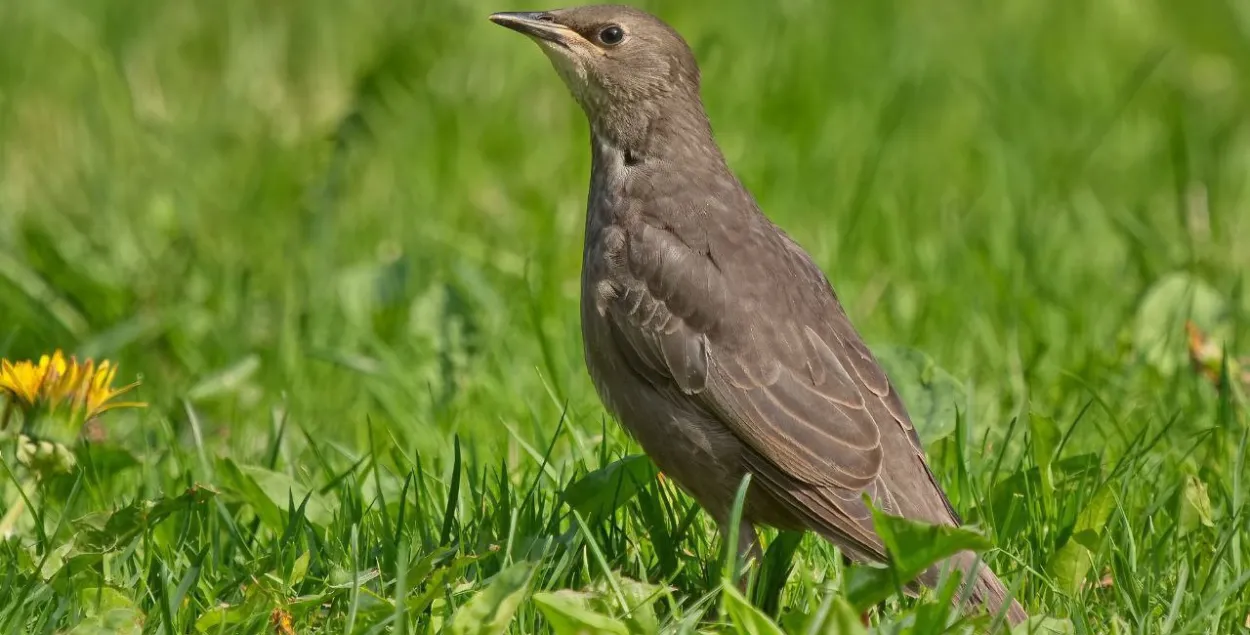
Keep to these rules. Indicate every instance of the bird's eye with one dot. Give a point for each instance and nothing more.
(611, 35)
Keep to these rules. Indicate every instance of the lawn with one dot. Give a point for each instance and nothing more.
(339, 243)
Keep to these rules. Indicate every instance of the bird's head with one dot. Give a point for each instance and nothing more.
(615, 59)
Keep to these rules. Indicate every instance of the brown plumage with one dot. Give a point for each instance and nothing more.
(708, 332)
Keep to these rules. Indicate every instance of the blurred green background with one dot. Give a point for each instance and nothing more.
(368, 215)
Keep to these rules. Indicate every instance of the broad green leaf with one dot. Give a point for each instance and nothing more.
(433, 573)
(101, 599)
(835, 616)
(570, 613)
(435, 584)
(1045, 436)
(248, 491)
(795, 621)
(933, 396)
(269, 492)
(119, 621)
(604, 490)
(298, 570)
(102, 532)
(915, 546)
(341, 578)
(1070, 564)
(301, 605)
(256, 599)
(215, 617)
(640, 616)
(491, 610)
(1093, 518)
(869, 584)
(1159, 329)
(281, 488)
(745, 618)
(1195, 506)
(1043, 625)
(55, 560)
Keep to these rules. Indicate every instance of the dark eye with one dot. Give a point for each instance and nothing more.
(611, 35)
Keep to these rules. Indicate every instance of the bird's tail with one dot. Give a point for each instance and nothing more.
(987, 590)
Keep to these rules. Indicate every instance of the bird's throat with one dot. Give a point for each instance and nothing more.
(656, 133)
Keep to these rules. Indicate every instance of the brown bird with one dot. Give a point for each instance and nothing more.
(709, 333)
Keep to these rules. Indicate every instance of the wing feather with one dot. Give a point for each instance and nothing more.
(792, 379)
(779, 385)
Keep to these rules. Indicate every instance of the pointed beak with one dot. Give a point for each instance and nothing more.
(538, 25)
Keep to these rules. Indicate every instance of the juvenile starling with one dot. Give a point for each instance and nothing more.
(709, 333)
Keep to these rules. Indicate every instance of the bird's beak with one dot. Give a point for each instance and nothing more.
(536, 25)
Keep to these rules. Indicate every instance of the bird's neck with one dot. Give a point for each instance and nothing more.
(662, 133)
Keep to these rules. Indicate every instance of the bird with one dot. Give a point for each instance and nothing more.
(709, 333)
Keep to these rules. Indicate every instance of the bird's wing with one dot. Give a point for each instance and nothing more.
(775, 359)
(789, 384)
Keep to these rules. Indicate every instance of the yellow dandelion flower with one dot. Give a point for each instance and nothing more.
(56, 381)
(61, 380)
(98, 391)
(23, 380)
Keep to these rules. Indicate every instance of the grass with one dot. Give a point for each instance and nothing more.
(341, 241)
